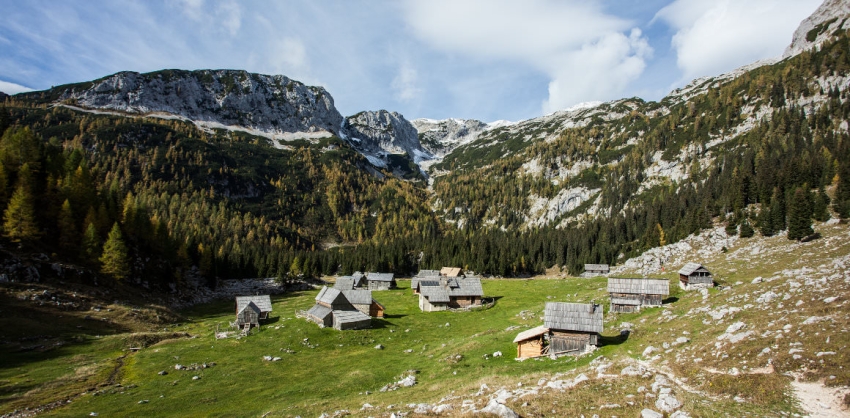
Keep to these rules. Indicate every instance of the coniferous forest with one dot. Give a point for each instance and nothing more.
(150, 199)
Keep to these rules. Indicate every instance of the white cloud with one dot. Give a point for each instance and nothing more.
(586, 53)
(713, 37)
(225, 15)
(405, 84)
(12, 88)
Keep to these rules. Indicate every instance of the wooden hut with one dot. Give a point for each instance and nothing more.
(529, 343)
(362, 300)
(380, 281)
(344, 320)
(344, 283)
(248, 316)
(359, 280)
(695, 276)
(451, 272)
(629, 295)
(594, 270)
(449, 293)
(262, 302)
(332, 308)
(423, 275)
(574, 327)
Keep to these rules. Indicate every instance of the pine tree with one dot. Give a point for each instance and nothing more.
(67, 229)
(746, 230)
(19, 217)
(820, 207)
(799, 218)
(114, 260)
(90, 251)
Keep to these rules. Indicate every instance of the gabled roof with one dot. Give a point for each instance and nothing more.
(596, 267)
(434, 294)
(582, 317)
(380, 277)
(428, 273)
(250, 306)
(451, 271)
(319, 311)
(690, 268)
(358, 297)
(358, 275)
(329, 295)
(470, 286)
(263, 302)
(350, 316)
(639, 286)
(531, 333)
(344, 283)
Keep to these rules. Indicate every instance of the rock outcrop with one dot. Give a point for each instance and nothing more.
(379, 133)
(832, 15)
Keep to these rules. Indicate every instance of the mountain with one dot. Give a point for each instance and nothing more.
(830, 19)
(378, 135)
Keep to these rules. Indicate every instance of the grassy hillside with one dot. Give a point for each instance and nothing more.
(323, 370)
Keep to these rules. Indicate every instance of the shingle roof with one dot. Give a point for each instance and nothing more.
(319, 311)
(263, 302)
(350, 316)
(531, 333)
(344, 283)
(690, 268)
(639, 286)
(380, 277)
(358, 297)
(565, 316)
(433, 293)
(428, 273)
(250, 306)
(470, 286)
(596, 267)
(328, 295)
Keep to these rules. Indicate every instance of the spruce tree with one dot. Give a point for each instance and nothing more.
(114, 260)
(820, 209)
(90, 251)
(799, 218)
(746, 230)
(19, 217)
(67, 229)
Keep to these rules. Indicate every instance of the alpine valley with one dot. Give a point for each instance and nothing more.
(144, 194)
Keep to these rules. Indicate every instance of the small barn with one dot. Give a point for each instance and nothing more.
(262, 302)
(594, 270)
(695, 276)
(380, 281)
(344, 283)
(362, 300)
(451, 272)
(629, 295)
(529, 343)
(248, 316)
(450, 293)
(574, 327)
(423, 275)
(332, 308)
(344, 320)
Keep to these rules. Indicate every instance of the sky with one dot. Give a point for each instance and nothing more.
(473, 59)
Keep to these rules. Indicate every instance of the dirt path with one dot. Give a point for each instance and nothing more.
(820, 401)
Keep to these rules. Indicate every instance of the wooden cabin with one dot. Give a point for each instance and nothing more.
(332, 308)
(262, 302)
(362, 300)
(423, 275)
(380, 281)
(574, 327)
(248, 316)
(451, 272)
(594, 270)
(449, 293)
(529, 343)
(695, 276)
(629, 295)
(344, 283)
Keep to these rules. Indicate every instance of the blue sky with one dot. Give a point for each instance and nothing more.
(481, 59)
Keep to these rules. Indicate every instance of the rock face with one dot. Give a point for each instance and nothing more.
(440, 137)
(265, 103)
(380, 133)
(818, 27)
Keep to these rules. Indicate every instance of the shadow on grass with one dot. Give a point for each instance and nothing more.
(671, 299)
(395, 316)
(381, 323)
(270, 320)
(605, 340)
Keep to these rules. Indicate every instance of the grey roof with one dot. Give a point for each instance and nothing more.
(319, 311)
(428, 273)
(328, 295)
(451, 271)
(380, 277)
(250, 306)
(350, 316)
(434, 293)
(344, 283)
(531, 333)
(470, 286)
(583, 317)
(639, 286)
(595, 267)
(357, 275)
(690, 268)
(264, 302)
(626, 301)
(358, 297)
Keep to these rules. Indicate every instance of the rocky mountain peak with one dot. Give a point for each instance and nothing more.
(378, 133)
(832, 15)
(441, 137)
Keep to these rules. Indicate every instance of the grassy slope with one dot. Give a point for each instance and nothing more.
(341, 367)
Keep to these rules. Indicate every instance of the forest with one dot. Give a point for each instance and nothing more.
(151, 199)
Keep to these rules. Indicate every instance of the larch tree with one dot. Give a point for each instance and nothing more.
(114, 260)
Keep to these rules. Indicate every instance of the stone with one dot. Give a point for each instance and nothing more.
(497, 354)
(275, 358)
(179, 367)
(648, 351)
(407, 381)
(632, 371)
(648, 413)
(379, 347)
(667, 403)
(499, 410)
(422, 408)
(162, 373)
(680, 414)
(682, 340)
(144, 401)
(830, 299)
(441, 409)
